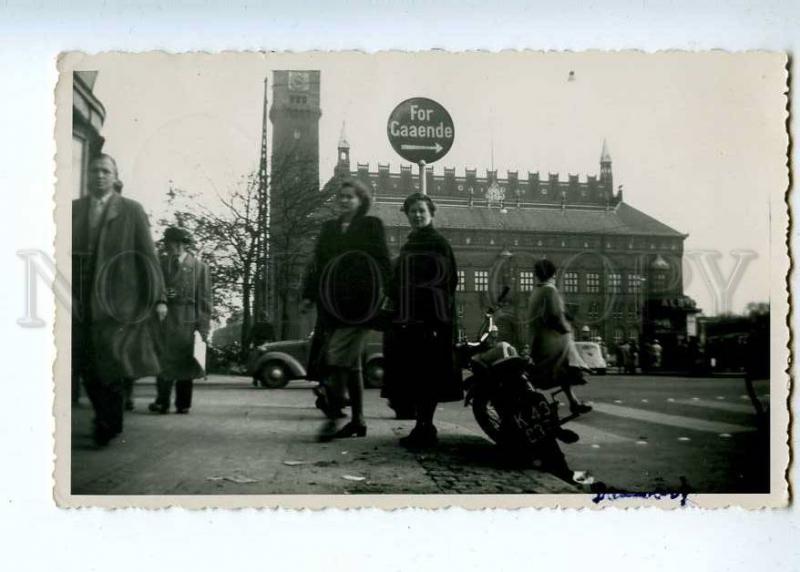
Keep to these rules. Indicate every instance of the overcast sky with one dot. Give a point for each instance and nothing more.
(696, 140)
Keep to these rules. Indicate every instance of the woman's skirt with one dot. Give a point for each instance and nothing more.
(345, 347)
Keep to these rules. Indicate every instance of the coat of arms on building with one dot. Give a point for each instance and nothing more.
(495, 194)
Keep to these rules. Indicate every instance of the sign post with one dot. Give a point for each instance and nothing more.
(421, 131)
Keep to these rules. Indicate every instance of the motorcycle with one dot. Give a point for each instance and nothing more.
(515, 409)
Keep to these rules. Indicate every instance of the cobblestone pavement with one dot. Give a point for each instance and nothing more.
(242, 440)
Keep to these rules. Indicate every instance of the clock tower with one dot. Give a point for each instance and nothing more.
(294, 190)
(295, 117)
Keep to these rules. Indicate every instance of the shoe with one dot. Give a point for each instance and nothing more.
(351, 430)
(567, 436)
(322, 404)
(182, 411)
(421, 437)
(579, 408)
(102, 435)
(328, 431)
(157, 408)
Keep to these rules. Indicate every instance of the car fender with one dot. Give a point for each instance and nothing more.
(373, 356)
(296, 369)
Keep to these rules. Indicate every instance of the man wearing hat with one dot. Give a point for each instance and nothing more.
(188, 290)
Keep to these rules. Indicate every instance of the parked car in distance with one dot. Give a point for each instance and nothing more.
(592, 354)
(274, 364)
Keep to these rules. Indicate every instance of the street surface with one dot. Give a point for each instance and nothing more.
(646, 434)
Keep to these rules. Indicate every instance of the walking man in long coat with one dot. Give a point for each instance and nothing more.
(118, 290)
(188, 289)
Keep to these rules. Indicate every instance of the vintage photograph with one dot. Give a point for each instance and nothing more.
(432, 279)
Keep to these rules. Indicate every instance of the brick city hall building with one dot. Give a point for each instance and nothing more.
(620, 270)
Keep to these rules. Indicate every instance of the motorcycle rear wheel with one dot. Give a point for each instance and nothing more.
(486, 414)
(528, 430)
(515, 439)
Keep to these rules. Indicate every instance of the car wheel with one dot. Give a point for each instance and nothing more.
(273, 375)
(373, 374)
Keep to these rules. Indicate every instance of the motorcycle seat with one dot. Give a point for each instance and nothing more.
(509, 366)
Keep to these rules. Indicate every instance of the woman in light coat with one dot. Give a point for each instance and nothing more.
(555, 358)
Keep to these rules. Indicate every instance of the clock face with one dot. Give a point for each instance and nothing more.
(299, 81)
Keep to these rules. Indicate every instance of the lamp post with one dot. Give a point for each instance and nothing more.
(641, 298)
(508, 278)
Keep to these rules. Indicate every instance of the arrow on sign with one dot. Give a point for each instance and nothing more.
(438, 148)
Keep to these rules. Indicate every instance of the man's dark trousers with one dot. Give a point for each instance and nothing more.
(108, 400)
(183, 393)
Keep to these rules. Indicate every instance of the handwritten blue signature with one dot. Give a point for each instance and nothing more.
(669, 495)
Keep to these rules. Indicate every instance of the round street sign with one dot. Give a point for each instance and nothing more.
(420, 129)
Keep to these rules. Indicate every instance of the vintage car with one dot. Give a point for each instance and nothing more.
(275, 364)
(592, 354)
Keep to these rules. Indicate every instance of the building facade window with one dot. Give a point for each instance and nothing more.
(527, 280)
(634, 283)
(481, 280)
(594, 311)
(614, 283)
(570, 282)
(618, 334)
(660, 281)
(462, 281)
(592, 283)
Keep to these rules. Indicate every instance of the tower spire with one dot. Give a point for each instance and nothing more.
(343, 148)
(605, 156)
(606, 176)
(343, 143)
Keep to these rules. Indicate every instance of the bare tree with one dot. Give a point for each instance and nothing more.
(298, 206)
(225, 236)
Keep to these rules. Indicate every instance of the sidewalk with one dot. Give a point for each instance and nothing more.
(240, 440)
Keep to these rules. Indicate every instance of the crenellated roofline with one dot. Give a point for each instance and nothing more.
(467, 185)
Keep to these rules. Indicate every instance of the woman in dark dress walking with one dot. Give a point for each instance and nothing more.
(345, 281)
(420, 362)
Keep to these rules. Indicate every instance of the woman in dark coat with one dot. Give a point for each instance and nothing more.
(345, 280)
(420, 362)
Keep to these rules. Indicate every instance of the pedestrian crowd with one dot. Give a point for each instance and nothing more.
(354, 287)
(134, 315)
(137, 314)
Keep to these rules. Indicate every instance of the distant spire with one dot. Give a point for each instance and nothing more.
(605, 156)
(343, 144)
